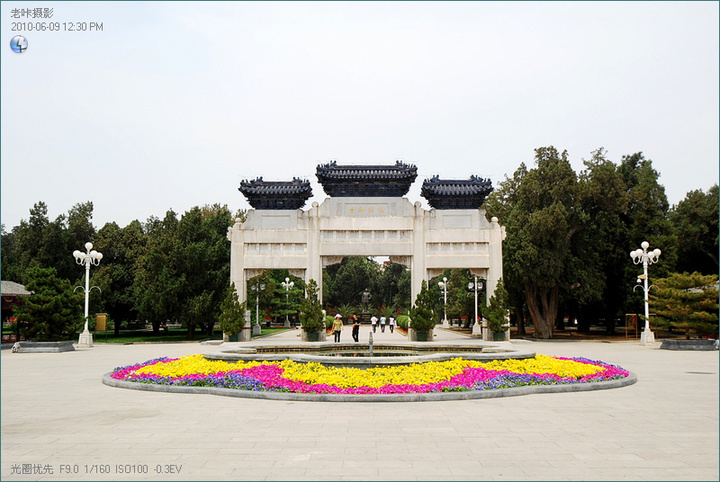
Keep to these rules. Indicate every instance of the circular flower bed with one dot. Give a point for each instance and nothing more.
(456, 375)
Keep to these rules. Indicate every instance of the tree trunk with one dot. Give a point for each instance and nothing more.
(516, 316)
(543, 306)
(560, 321)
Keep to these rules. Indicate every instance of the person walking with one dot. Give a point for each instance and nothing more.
(356, 328)
(337, 327)
(383, 320)
(373, 322)
(391, 324)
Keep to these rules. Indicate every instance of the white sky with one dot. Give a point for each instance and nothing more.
(172, 104)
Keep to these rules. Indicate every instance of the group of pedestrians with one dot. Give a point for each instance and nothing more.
(390, 322)
(338, 326)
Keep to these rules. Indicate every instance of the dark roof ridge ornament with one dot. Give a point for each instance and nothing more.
(456, 193)
(375, 180)
(276, 195)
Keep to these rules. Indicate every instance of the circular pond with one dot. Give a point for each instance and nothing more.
(357, 355)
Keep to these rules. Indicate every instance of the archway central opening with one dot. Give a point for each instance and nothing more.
(366, 284)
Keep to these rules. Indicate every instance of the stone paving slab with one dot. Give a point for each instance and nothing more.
(57, 414)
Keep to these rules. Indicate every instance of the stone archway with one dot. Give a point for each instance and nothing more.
(356, 221)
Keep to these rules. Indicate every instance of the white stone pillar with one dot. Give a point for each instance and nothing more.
(418, 268)
(237, 259)
(314, 263)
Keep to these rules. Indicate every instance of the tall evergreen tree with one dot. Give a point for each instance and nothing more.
(695, 219)
(53, 312)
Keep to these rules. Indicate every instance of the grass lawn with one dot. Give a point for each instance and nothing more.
(175, 335)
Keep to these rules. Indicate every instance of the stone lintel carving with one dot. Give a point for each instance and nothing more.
(403, 260)
(331, 260)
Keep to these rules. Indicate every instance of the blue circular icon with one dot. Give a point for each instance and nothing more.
(19, 44)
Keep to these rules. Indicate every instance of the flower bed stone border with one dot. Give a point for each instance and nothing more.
(407, 397)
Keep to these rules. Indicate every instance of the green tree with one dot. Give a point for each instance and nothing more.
(540, 227)
(500, 204)
(647, 212)
(392, 287)
(157, 283)
(646, 219)
(343, 283)
(695, 219)
(232, 312)
(263, 296)
(422, 315)
(29, 236)
(599, 254)
(311, 315)
(497, 311)
(686, 302)
(202, 257)
(283, 303)
(8, 268)
(115, 276)
(53, 312)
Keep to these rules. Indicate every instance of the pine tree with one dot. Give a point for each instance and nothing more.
(311, 316)
(53, 312)
(497, 311)
(421, 314)
(686, 302)
(232, 315)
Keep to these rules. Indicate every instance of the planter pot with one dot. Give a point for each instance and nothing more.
(421, 335)
(695, 344)
(313, 336)
(43, 346)
(498, 336)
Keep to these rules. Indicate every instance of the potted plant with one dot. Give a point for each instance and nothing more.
(496, 313)
(422, 317)
(232, 315)
(311, 314)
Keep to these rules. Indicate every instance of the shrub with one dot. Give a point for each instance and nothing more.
(311, 315)
(232, 316)
(402, 322)
(421, 314)
(496, 313)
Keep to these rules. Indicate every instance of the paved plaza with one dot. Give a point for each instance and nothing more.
(59, 422)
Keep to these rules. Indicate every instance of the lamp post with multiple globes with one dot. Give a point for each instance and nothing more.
(257, 288)
(476, 286)
(288, 285)
(91, 257)
(443, 286)
(646, 258)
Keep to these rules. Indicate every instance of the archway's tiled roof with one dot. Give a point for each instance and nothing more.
(456, 194)
(276, 194)
(366, 181)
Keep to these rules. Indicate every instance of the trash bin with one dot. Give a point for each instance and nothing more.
(100, 321)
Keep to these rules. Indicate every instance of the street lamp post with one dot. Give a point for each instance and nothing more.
(288, 285)
(646, 257)
(257, 288)
(91, 257)
(443, 285)
(476, 286)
